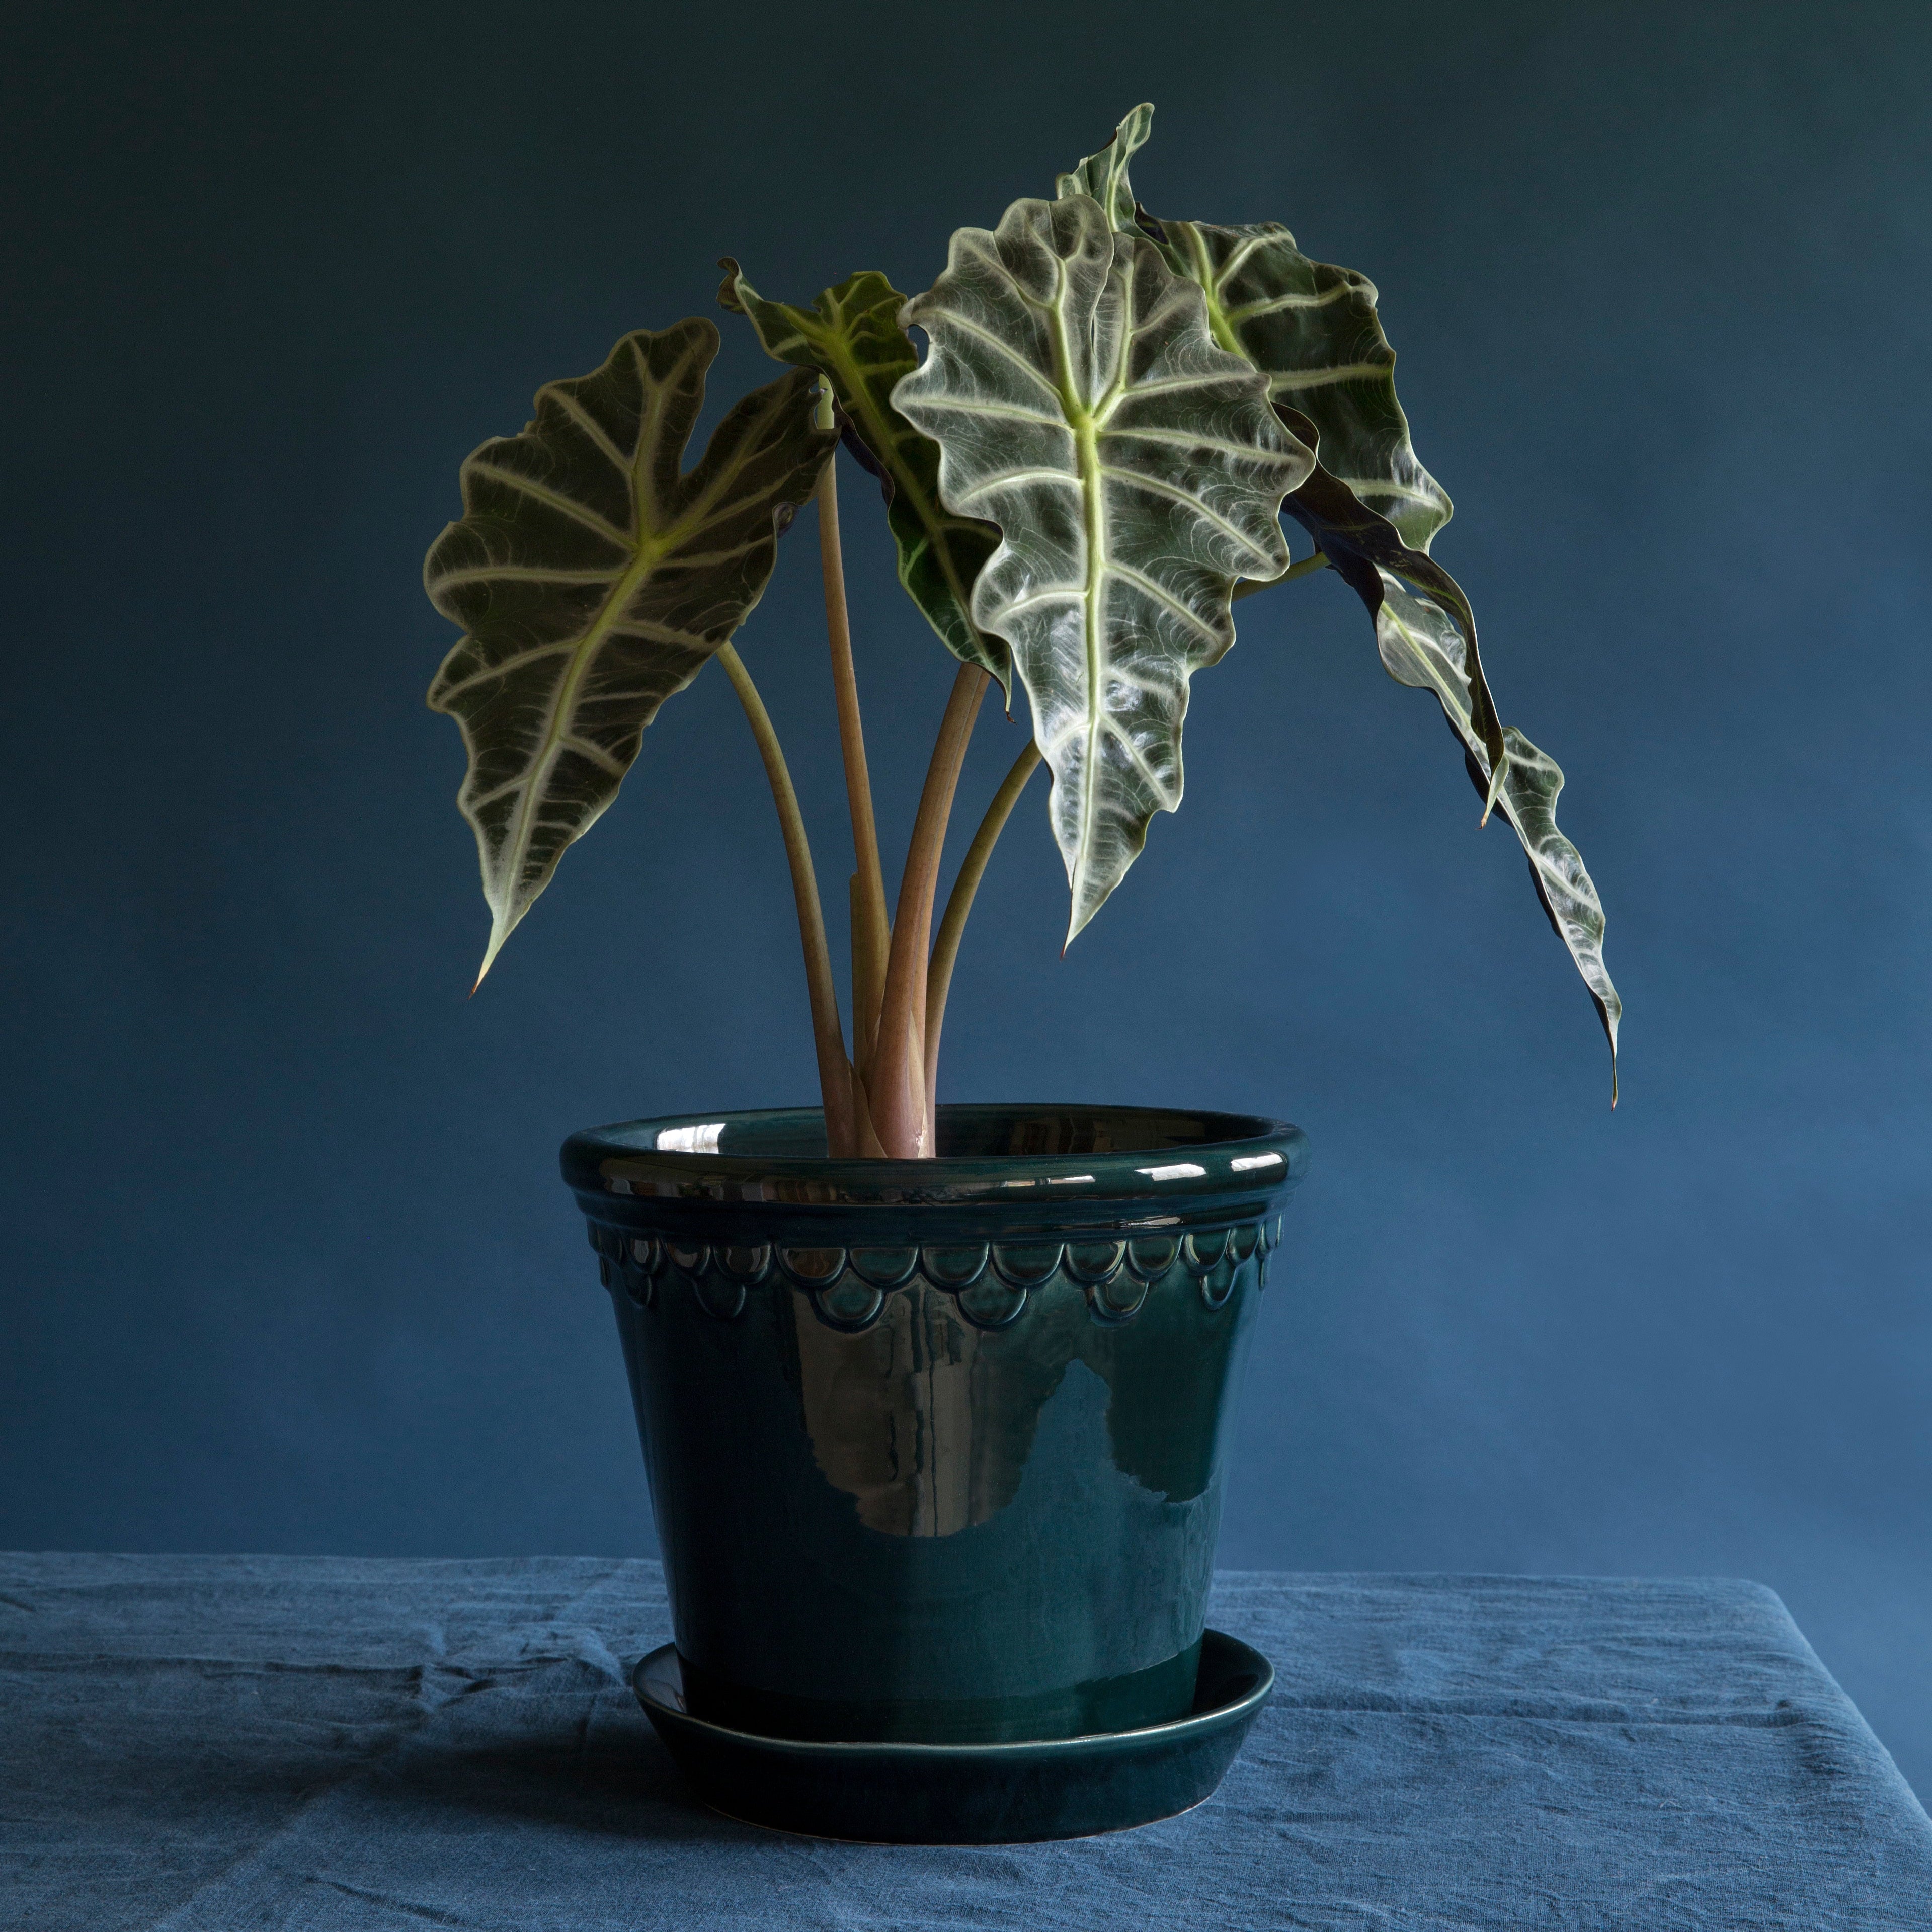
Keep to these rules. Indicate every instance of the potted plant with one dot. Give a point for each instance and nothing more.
(935, 1400)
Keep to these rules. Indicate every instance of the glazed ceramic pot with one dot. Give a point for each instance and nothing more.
(937, 1448)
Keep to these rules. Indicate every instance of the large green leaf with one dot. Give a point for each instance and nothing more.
(851, 335)
(1313, 331)
(1136, 472)
(1423, 631)
(1310, 328)
(592, 579)
(1372, 510)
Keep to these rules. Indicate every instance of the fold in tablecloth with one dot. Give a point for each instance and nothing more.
(195, 1743)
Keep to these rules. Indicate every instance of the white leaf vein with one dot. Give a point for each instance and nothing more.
(541, 492)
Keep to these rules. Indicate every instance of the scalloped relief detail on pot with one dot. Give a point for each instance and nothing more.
(746, 1266)
(851, 1304)
(1201, 1250)
(1095, 1264)
(1119, 1299)
(991, 1283)
(812, 1269)
(1151, 1258)
(992, 1303)
(1029, 1266)
(885, 1268)
(691, 1258)
(630, 1262)
(955, 1269)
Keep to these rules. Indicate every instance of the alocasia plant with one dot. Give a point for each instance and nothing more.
(1089, 468)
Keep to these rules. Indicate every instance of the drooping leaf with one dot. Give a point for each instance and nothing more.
(1348, 532)
(1136, 472)
(1423, 631)
(1369, 505)
(851, 335)
(593, 579)
(1313, 331)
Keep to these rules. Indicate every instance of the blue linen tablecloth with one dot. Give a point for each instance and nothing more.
(195, 1743)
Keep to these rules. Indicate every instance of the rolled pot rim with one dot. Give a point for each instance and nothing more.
(1069, 1153)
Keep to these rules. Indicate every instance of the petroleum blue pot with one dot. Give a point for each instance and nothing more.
(937, 1448)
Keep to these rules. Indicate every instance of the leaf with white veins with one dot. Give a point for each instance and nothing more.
(593, 580)
(1136, 473)
(1311, 330)
(1369, 505)
(1421, 645)
(1423, 631)
(851, 335)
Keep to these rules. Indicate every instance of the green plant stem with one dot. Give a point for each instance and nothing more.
(835, 1072)
(897, 1089)
(871, 935)
(1307, 567)
(952, 926)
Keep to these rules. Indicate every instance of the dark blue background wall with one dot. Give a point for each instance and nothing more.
(286, 1263)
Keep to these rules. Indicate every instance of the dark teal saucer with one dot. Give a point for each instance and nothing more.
(1003, 1794)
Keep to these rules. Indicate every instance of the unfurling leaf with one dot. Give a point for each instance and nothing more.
(1103, 177)
(593, 579)
(1136, 473)
(851, 335)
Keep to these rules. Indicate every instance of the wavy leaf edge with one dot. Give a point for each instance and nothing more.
(852, 335)
(1073, 335)
(1384, 558)
(583, 604)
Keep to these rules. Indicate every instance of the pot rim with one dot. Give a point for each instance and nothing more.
(1082, 1154)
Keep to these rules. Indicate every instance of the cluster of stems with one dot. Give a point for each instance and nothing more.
(879, 1099)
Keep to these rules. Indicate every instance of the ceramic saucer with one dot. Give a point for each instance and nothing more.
(913, 1794)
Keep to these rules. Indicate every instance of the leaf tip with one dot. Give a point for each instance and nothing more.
(728, 298)
(1076, 924)
(499, 931)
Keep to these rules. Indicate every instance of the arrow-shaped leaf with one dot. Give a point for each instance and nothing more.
(851, 335)
(1311, 330)
(592, 579)
(1135, 471)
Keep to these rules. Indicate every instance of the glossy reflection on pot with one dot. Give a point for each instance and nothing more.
(936, 1449)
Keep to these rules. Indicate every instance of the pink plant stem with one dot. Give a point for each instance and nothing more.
(952, 926)
(900, 1116)
(834, 1071)
(870, 937)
